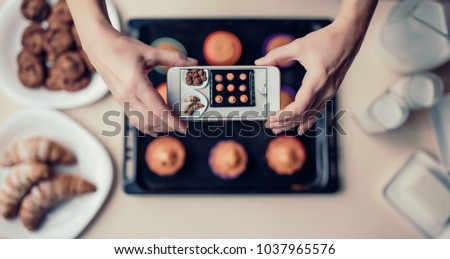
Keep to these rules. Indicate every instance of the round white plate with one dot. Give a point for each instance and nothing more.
(191, 87)
(12, 25)
(93, 163)
(203, 100)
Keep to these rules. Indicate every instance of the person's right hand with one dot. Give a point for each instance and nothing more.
(124, 64)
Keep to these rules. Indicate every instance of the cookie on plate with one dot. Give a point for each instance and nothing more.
(35, 10)
(71, 64)
(26, 55)
(57, 41)
(32, 73)
(33, 38)
(55, 80)
(60, 13)
(78, 84)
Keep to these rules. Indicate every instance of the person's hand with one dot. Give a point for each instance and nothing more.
(326, 55)
(124, 64)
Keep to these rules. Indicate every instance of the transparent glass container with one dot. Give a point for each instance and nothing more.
(421, 192)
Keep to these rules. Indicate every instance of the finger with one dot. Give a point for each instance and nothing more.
(279, 130)
(278, 56)
(173, 58)
(139, 122)
(304, 126)
(279, 116)
(161, 111)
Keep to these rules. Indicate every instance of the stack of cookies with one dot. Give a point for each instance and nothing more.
(52, 55)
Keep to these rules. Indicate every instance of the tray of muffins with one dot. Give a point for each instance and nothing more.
(230, 157)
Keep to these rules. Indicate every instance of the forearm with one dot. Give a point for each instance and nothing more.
(91, 20)
(355, 15)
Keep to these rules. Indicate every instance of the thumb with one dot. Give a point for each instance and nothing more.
(173, 58)
(278, 56)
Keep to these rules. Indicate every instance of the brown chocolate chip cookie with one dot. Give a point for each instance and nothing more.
(61, 13)
(57, 41)
(26, 55)
(79, 84)
(55, 80)
(35, 10)
(71, 64)
(33, 38)
(31, 73)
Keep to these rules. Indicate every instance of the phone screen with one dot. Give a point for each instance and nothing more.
(232, 88)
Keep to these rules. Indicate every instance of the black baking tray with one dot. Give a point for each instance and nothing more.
(319, 175)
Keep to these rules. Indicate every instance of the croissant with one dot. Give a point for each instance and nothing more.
(37, 149)
(49, 193)
(18, 181)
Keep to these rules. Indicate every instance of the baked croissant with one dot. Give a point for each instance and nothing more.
(18, 181)
(37, 149)
(49, 193)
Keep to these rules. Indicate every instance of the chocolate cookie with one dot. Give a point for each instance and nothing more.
(55, 80)
(57, 41)
(71, 64)
(33, 38)
(75, 36)
(77, 85)
(87, 62)
(26, 55)
(35, 10)
(31, 73)
(61, 13)
(55, 24)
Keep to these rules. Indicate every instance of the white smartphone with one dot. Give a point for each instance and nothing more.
(224, 92)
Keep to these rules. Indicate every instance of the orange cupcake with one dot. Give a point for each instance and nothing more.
(287, 96)
(275, 41)
(286, 155)
(165, 156)
(228, 159)
(170, 44)
(222, 48)
(162, 90)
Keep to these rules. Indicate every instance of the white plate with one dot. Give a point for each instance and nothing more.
(93, 163)
(12, 25)
(192, 87)
(203, 100)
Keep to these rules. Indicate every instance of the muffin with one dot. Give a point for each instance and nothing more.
(170, 44)
(275, 41)
(33, 38)
(228, 159)
(35, 10)
(222, 48)
(165, 156)
(286, 155)
(162, 90)
(287, 96)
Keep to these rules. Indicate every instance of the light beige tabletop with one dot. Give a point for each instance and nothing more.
(367, 162)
